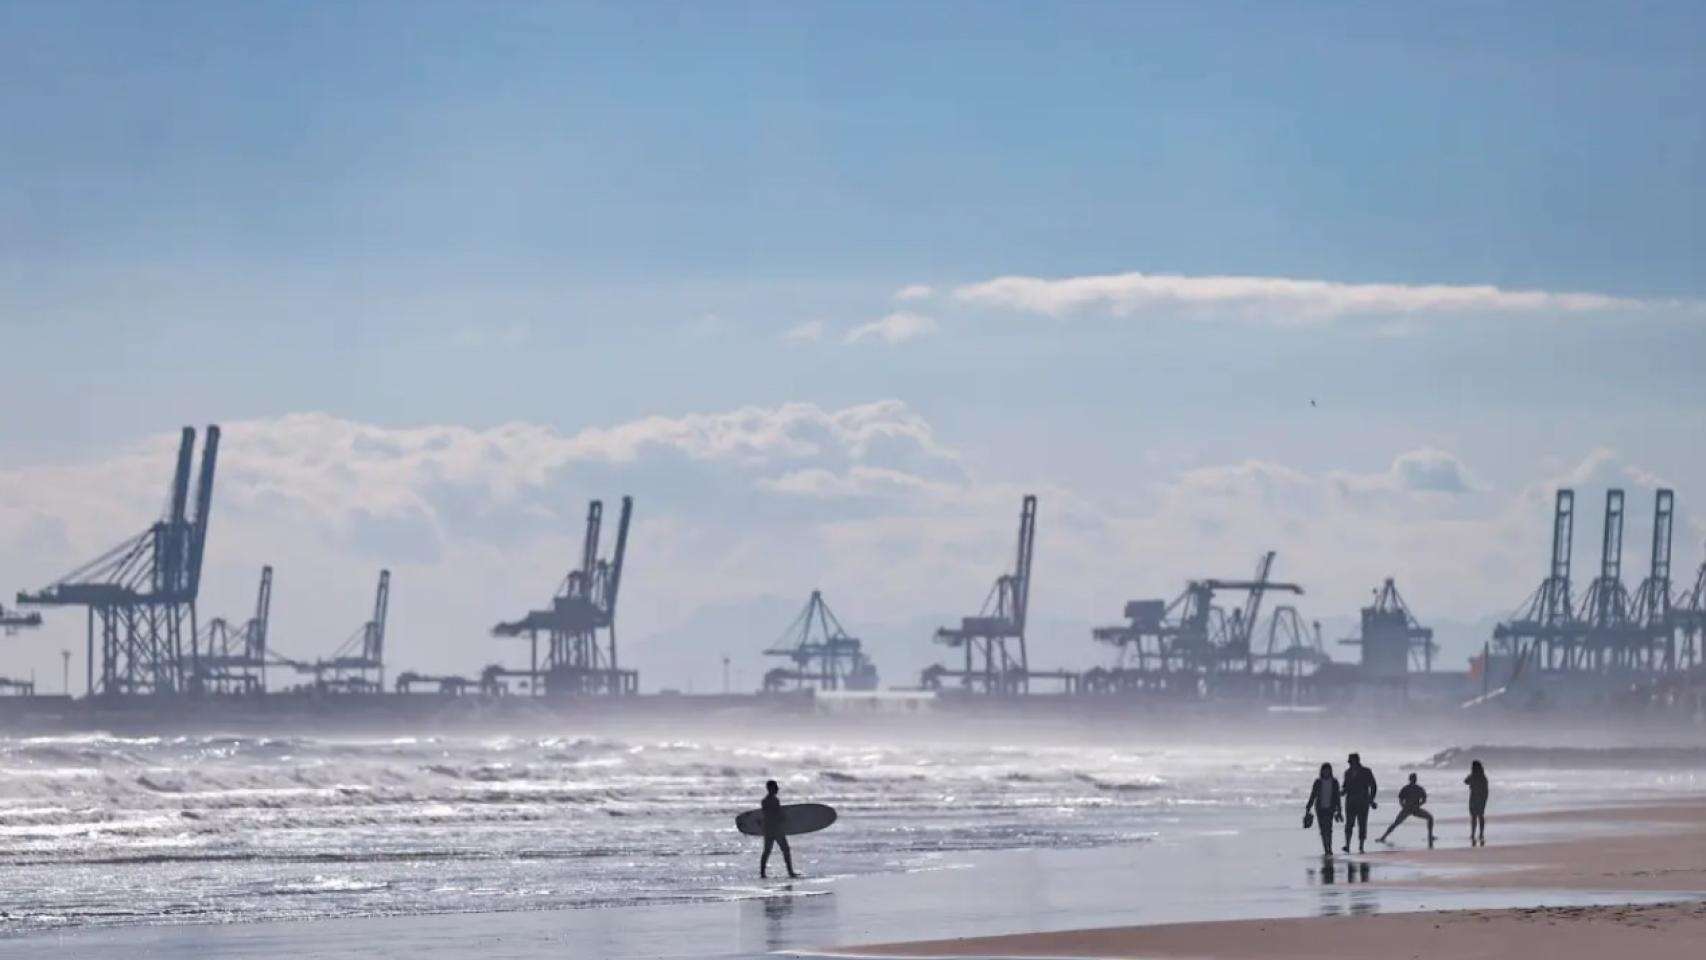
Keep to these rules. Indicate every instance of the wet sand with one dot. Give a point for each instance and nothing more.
(1658, 932)
(1636, 849)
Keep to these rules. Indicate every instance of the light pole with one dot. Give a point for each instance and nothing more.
(65, 678)
(725, 674)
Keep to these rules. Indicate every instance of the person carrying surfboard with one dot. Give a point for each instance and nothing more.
(773, 830)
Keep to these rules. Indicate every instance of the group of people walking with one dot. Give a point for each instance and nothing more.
(1349, 802)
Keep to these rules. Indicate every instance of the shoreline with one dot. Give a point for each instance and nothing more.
(1634, 850)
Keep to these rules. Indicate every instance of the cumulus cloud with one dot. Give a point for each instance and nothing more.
(1281, 300)
(1425, 470)
(810, 331)
(915, 291)
(896, 328)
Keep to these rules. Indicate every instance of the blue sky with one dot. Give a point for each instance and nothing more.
(579, 216)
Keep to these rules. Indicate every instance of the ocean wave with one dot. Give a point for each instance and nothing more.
(1118, 786)
(1571, 758)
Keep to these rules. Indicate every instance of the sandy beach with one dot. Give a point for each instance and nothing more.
(1638, 849)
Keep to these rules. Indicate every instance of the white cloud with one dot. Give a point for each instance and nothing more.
(1425, 470)
(1280, 300)
(810, 331)
(895, 328)
(915, 291)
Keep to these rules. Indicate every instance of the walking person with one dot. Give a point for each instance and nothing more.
(1360, 788)
(773, 830)
(1323, 807)
(1410, 801)
(1477, 781)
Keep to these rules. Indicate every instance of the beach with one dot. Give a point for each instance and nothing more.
(1657, 848)
(1081, 841)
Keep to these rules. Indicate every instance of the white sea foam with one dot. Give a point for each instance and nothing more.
(99, 829)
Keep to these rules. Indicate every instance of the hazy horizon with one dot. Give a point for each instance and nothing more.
(827, 289)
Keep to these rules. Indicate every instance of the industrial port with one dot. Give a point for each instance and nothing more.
(1238, 643)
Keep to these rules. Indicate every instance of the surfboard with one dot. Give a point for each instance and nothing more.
(796, 818)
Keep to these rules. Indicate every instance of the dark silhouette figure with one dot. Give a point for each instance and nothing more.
(1477, 781)
(773, 835)
(1410, 800)
(1323, 807)
(1360, 789)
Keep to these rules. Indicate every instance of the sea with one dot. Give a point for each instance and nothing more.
(107, 830)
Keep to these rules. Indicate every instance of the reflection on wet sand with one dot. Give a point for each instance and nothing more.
(773, 922)
(1339, 899)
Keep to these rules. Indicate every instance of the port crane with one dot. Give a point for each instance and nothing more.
(358, 664)
(824, 656)
(140, 596)
(234, 659)
(993, 641)
(579, 627)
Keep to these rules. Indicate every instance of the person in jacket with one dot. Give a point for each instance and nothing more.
(1324, 806)
(1359, 788)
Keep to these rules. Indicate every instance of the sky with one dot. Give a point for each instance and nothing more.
(829, 287)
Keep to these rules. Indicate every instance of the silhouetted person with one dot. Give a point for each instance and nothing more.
(773, 835)
(1410, 800)
(1477, 781)
(1323, 807)
(1360, 789)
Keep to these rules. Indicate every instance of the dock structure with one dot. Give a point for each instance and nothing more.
(233, 659)
(357, 665)
(823, 656)
(1609, 639)
(1688, 613)
(11, 621)
(140, 596)
(993, 641)
(1392, 643)
(1190, 645)
(579, 627)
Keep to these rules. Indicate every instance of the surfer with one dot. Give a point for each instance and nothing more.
(1410, 800)
(1323, 807)
(1477, 781)
(1359, 800)
(773, 835)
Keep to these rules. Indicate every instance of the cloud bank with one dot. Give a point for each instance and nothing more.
(1276, 299)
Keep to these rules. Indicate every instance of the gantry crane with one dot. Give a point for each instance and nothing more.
(577, 660)
(234, 660)
(12, 621)
(1610, 630)
(824, 656)
(996, 661)
(1179, 647)
(1393, 643)
(141, 594)
(358, 664)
